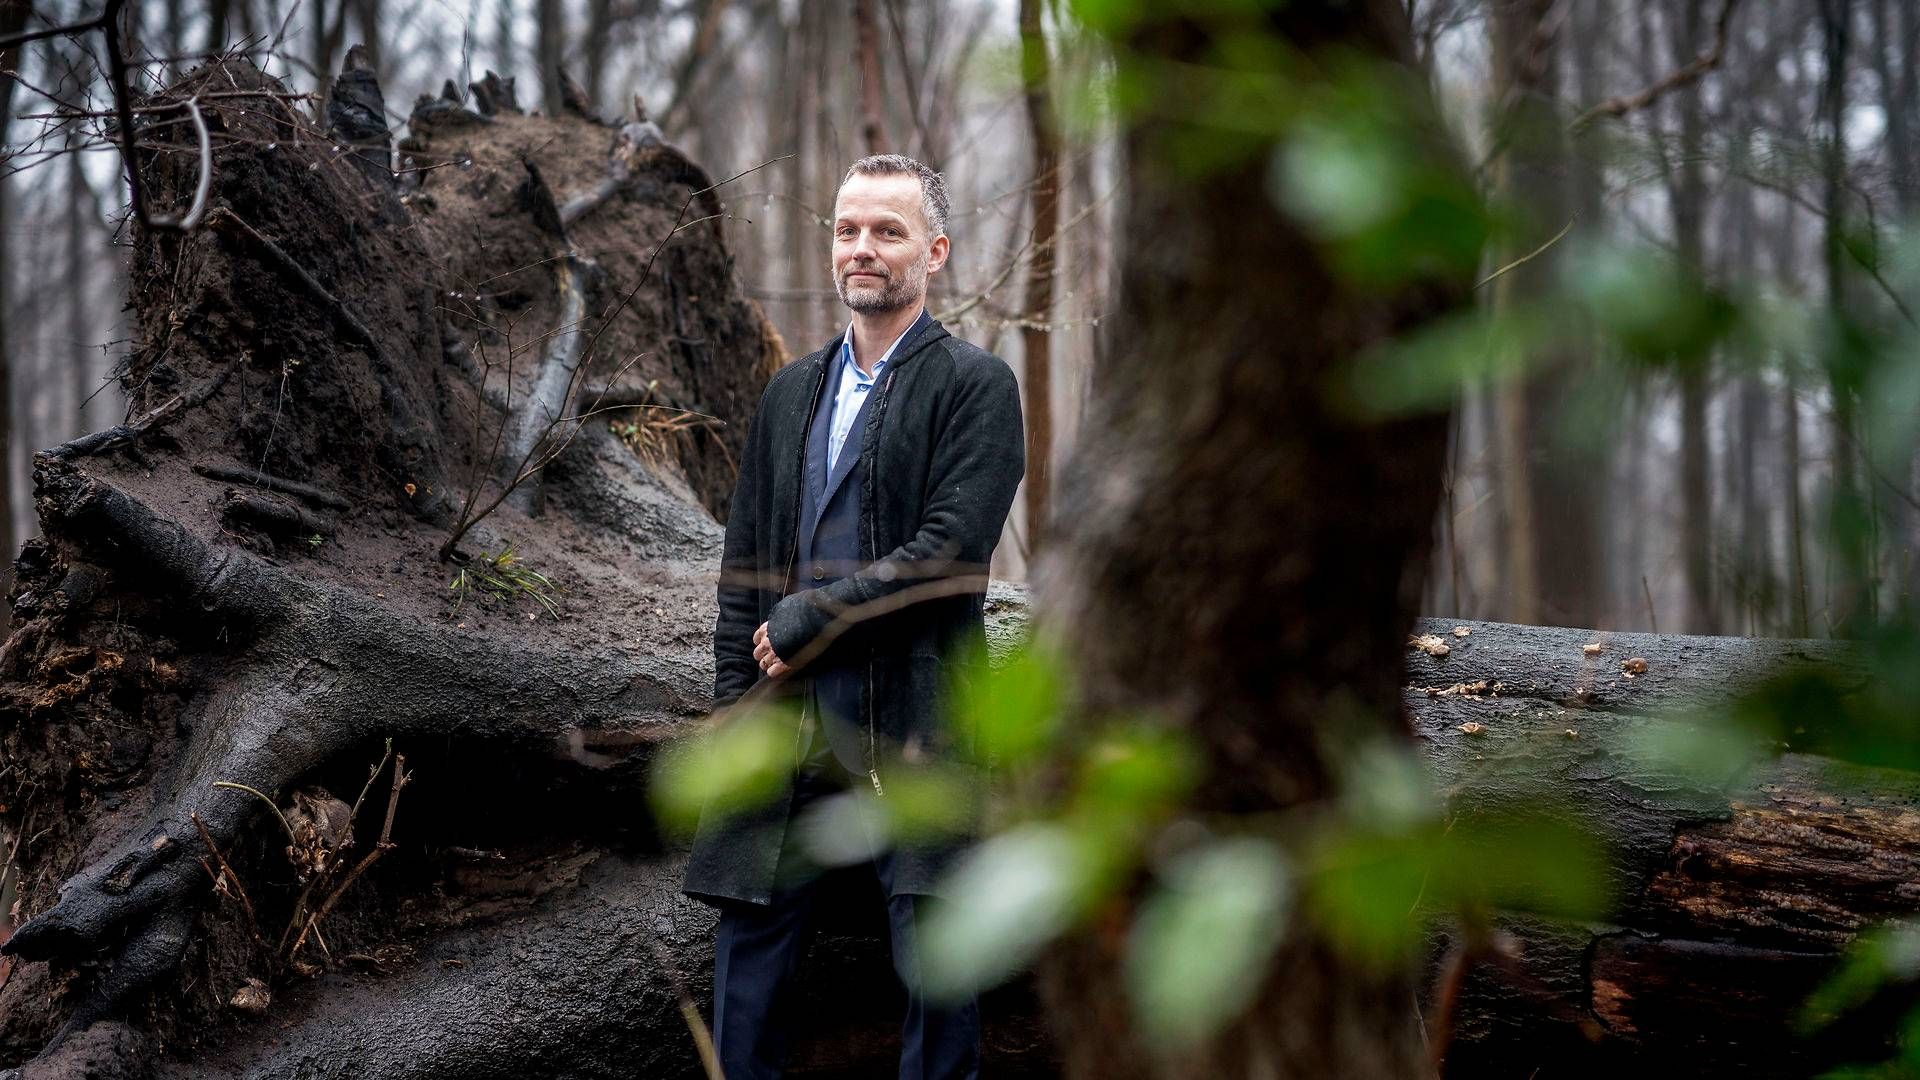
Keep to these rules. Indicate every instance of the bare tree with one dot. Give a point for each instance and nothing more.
(1524, 174)
(1688, 200)
(873, 115)
(13, 19)
(1036, 336)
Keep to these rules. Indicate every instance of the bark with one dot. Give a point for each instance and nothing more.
(1689, 201)
(367, 14)
(1036, 338)
(219, 12)
(80, 354)
(1786, 257)
(550, 46)
(1851, 594)
(594, 47)
(873, 112)
(1219, 457)
(1732, 900)
(13, 19)
(1526, 176)
(528, 922)
(181, 627)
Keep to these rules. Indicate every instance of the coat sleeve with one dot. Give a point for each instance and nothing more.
(978, 461)
(739, 592)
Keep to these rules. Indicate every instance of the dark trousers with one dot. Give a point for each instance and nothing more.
(756, 949)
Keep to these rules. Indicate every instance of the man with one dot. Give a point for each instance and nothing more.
(876, 479)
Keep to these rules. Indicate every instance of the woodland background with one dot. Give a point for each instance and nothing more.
(1592, 495)
(1624, 331)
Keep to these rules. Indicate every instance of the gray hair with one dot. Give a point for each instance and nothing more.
(933, 186)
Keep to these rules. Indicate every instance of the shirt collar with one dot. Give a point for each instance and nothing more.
(846, 347)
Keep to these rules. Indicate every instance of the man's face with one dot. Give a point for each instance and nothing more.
(883, 251)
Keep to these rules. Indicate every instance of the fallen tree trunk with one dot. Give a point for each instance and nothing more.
(1733, 898)
(353, 354)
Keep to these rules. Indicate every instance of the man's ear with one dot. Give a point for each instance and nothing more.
(937, 256)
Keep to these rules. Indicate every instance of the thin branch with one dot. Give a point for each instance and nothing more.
(1692, 72)
(29, 36)
(238, 889)
(400, 779)
(271, 805)
(1007, 271)
(846, 619)
(1531, 255)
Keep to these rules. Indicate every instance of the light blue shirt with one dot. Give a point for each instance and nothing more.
(852, 391)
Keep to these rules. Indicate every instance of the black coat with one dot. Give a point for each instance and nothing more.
(941, 454)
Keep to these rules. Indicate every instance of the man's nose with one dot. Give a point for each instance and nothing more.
(863, 247)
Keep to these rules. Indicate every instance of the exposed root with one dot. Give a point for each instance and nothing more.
(312, 493)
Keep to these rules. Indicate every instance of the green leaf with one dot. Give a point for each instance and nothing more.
(1009, 896)
(1371, 890)
(1888, 954)
(1656, 310)
(1135, 774)
(1010, 714)
(1202, 941)
(740, 761)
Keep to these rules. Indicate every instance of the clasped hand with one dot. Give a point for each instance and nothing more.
(764, 654)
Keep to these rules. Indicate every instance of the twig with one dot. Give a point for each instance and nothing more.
(255, 478)
(75, 113)
(27, 37)
(848, 618)
(271, 805)
(222, 216)
(1652, 621)
(1692, 72)
(239, 890)
(1531, 255)
(372, 774)
(1007, 270)
(690, 1012)
(400, 779)
(108, 438)
(279, 517)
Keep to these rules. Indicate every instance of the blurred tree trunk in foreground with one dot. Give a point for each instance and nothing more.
(1241, 559)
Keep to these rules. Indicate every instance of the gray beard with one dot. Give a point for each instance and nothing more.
(892, 296)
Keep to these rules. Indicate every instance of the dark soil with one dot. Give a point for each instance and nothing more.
(119, 682)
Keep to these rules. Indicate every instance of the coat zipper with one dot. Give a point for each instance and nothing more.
(793, 549)
(867, 441)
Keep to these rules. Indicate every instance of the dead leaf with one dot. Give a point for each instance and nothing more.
(1473, 728)
(1594, 648)
(410, 490)
(1430, 644)
(1635, 666)
(1572, 734)
(1461, 631)
(253, 997)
